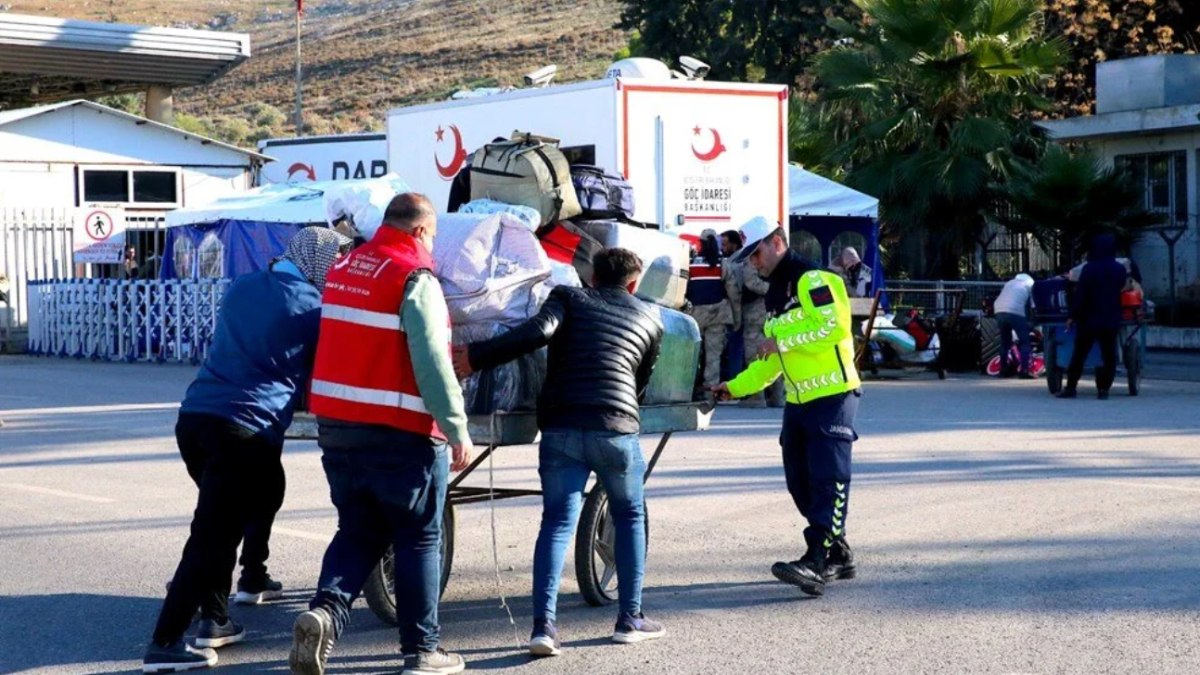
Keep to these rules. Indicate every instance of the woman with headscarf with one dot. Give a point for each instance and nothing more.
(230, 435)
(852, 270)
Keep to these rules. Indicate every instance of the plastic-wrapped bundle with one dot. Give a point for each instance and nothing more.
(492, 268)
(526, 214)
(674, 374)
(362, 201)
(510, 387)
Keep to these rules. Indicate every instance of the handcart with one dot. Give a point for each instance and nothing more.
(1060, 344)
(595, 538)
(943, 304)
(1050, 299)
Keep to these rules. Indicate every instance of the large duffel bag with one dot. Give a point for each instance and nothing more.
(528, 170)
(602, 194)
(665, 258)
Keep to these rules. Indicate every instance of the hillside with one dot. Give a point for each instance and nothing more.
(362, 57)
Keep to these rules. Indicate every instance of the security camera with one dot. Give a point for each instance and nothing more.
(693, 67)
(541, 77)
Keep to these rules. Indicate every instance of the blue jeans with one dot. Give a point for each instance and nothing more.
(566, 459)
(389, 487)
(1008, 324)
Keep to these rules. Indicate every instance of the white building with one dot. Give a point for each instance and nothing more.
(57, 158)
(1147, 121)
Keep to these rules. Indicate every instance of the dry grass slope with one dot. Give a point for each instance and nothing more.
(363, 57)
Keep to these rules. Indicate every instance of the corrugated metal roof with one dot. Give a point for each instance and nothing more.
(10, 116)
(109, 56)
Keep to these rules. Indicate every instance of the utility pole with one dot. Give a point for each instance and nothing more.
(299, 88)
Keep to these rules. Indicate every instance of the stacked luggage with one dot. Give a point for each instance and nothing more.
(532, 222)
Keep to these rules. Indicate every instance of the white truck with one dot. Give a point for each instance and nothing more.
(694, 151)
(310, 158)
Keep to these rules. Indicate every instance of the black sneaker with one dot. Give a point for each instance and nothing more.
(839, 564)
(312, 641)
(1102, 395)
(1067, 393)
(256, 592)
(544, 639)
(808, 573)
(438, 662)
(209, 633)
(176, 657)
(638, 628)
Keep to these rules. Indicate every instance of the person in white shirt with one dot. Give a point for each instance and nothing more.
(1012, 307)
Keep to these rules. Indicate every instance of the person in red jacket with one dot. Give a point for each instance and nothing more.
(387, 405)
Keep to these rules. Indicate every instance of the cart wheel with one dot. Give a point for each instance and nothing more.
(1133, 368)
(1054, 376)
(595, 550)
(380, 589)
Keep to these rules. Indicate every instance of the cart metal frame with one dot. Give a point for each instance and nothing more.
(595, 566)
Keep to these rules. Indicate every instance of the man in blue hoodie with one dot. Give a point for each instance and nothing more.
(230, 434)
(1096, 315)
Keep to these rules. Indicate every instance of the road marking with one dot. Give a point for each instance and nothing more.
(301, 534)
(85, 409)
(1152, 486)
(58, 493)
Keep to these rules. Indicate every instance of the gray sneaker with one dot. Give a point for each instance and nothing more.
(631, 629)
(312, 641)
(439, 662)
(176, 657)
(213, 635)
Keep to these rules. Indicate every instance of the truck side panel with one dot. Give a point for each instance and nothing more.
(429, 145)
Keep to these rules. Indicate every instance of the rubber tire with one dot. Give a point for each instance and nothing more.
(1054, 374)
(989, 341)
(1133, 369)
(378, 591)
(595, 509)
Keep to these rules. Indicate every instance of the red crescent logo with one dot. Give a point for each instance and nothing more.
(717, 146)
(449, 171)
(301, 167)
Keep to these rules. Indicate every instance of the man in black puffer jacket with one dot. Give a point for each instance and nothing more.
(603, 343)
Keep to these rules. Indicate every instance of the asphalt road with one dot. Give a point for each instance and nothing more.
(997, 530)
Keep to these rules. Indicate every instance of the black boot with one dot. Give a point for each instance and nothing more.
(839, 564)
(808, 573)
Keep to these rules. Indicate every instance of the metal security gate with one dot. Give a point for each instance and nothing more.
(35, 244)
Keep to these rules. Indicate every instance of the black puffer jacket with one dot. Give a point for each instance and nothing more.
(603, 345)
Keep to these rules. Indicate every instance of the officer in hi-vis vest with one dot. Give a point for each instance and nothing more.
(809, 343)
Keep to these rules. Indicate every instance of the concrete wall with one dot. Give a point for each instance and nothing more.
(1151, 252)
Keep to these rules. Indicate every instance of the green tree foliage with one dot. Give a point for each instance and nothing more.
(1066, 198)
(743, 40)
(925, 104)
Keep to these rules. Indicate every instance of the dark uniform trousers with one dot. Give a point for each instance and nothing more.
(817, 438)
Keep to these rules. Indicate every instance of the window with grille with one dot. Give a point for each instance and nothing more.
(1163, 178)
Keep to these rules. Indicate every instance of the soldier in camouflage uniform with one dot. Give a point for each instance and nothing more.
(715, 295)
(754, 317)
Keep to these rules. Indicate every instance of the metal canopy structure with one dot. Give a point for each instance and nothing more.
(45, 60)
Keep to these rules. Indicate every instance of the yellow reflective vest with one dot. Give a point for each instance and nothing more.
(815, 345)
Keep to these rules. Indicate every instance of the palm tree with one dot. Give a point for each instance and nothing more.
(1067, 198)
(926, 104)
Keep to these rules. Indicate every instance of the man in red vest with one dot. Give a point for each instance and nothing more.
(387, 404)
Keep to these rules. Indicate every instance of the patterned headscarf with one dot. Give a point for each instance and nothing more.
(314, 250)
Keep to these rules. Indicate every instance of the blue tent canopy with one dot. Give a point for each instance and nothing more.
(223, 249)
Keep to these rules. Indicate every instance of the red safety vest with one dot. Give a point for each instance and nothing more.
(363, 371)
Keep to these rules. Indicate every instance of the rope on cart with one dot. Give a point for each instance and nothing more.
(495, 540)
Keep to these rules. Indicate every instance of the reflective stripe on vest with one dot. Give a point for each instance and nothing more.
(362, 317)
(392, 399)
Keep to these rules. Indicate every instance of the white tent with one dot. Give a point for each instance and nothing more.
(300, 204)
(813, 195)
